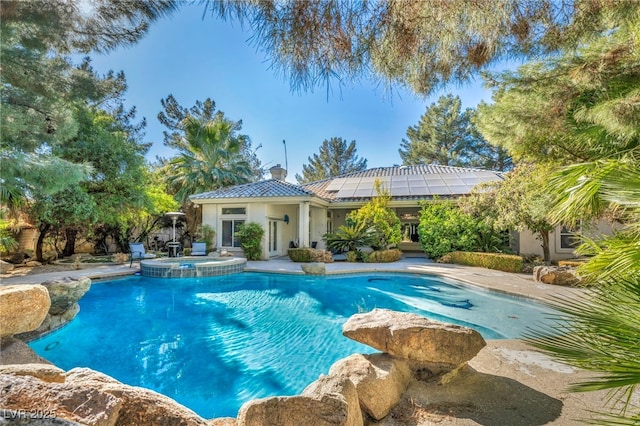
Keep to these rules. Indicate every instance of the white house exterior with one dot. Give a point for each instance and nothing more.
(302, 214)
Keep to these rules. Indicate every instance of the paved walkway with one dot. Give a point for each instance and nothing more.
(517, 284)
(94, 272)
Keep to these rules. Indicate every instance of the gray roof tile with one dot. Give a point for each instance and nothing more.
(404, 183)
(261, 189)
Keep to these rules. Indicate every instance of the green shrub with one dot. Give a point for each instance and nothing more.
(385, 256)
(347, 238)
(352, 256)
(306, 254)
(500, 262)
(444, 228)
(377, 215)
(300, 254)
(250, 238)
(208, 235)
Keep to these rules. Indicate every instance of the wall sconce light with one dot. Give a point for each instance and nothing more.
(286, 219)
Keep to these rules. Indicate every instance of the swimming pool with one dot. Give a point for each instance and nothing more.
(214, 343)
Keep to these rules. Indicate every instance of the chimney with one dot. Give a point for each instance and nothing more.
(277, 172)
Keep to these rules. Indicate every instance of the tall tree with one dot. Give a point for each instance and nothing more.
(445, 135)
(315, 42)
(40, 87)
(173, 118)
(335, 158)
(519, 202)
(580, 110)
(209, 157)
(111, 143)
(113, 191)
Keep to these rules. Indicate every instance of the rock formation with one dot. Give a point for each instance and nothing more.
(413, 337)
(556, 275)
(314, 268)
(22, 308)
(64, 294)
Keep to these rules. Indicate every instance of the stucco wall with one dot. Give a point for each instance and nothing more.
(530, 245)
(318, 226)
(286, 232)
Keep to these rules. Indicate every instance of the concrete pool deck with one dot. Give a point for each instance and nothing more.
(507, 383)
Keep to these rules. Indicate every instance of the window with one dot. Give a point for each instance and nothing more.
(229, 229)
(568, 239)
(234, 210)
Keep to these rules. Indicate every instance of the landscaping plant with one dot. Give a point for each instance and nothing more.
(445, 228)
(250, 237)
(350, 236)
(377, 215)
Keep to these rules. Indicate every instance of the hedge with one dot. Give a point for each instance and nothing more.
(306, 254)
(501, 262)
(384, 256)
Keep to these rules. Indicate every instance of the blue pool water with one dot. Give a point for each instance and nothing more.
(214, 343)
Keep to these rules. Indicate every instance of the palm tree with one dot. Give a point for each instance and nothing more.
(600, 331)
(209, 158)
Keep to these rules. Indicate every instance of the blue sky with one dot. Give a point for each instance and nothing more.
(194, 58)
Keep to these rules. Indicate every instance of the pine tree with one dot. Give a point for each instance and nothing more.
(422, 44)
(335, 158)
(446, 136)
(41, 88)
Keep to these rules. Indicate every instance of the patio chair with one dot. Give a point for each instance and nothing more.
(138, 253)
(198, 249)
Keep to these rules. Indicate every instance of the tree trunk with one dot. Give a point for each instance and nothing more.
(70, 244)
(545, 245)
(44, 228)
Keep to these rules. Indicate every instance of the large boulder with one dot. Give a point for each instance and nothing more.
(65, 292)
(379, 379)
(46, 372)
(6, 267)
(329, 402)
(556, 275)
(413, 337)
(15, 351)
(315, 268)
(81, 404)
(22, 308)
(340, 388)
(140, 406)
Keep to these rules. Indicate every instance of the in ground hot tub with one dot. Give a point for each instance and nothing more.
(191, 266)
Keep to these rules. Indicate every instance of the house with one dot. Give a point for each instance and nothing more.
(301, 214)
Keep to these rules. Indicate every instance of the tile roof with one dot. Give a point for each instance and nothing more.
(261, 189)
(403, 182)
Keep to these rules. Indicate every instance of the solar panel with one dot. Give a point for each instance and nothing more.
(460, 189)
(346, 193)
(363, 192)
(439, 190)
(335, 185)
(419, 189)
(399, 192)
